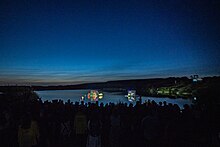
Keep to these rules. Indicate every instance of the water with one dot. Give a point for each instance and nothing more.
(113, 97)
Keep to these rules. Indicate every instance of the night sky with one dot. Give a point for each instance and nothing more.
(69, 42)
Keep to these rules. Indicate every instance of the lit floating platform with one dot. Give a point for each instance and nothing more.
(131, 95)
(93, 95)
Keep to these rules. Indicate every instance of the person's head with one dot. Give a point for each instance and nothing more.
(115, 111)
(152, 112)
(25, 121)
(2, 119)
(164, 103)
(94, 115)
(186, 106)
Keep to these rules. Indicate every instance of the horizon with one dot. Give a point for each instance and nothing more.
(75, 84)
(52, 42)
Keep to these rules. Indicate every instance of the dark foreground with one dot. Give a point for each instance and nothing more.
(57, 124)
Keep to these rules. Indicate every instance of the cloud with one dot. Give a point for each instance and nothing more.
(121, 71)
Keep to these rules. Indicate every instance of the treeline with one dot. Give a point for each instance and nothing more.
(125, 84)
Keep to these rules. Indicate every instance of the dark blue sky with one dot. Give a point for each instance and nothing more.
(69, 42)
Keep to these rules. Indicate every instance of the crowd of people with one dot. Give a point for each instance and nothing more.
(79, 124)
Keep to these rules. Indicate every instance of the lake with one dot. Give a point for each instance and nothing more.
(113, 97)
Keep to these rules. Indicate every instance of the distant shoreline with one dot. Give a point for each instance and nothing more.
(173, 87)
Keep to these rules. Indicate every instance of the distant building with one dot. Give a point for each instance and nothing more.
(195, 78)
